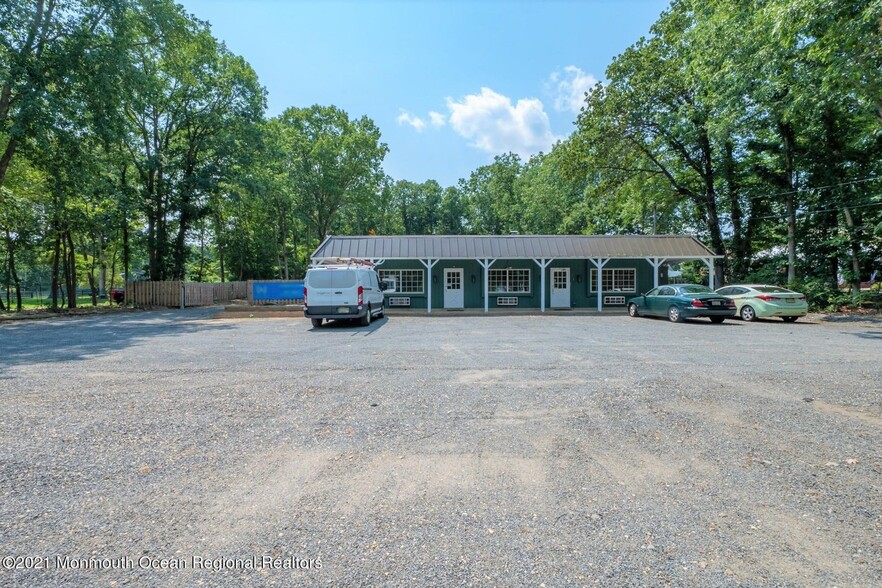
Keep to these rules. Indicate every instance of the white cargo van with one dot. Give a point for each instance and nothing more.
(348, 289)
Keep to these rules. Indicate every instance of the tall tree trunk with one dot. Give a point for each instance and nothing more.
(65, 272)
(126, 252)
(712, 214)
(294, 243)
(112, 270)
(187, 214)
(93, 290)
(179, 254)
(152, 264)
(828, 223)
(102, 266)
(7, 158)
(218, 223)
(854, 252)
(285, 252)
(56, 259)
(200, 275)
(13, 274)
(125, 230)
(741, 249)
(72, 271)
(8, 285)
(788, 139)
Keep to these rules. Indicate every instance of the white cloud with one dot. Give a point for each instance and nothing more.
(495, 125)
(405, 118)
(569, 87)
(437, 119)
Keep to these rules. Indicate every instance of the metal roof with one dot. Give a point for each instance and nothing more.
(512, 247)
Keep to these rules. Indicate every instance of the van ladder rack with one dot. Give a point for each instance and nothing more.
(347, 261)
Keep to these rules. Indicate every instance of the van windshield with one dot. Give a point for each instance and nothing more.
(330, 279)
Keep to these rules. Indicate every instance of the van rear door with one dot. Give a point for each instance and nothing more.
(331, 287)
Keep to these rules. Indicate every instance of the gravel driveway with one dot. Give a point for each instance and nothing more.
(467, 451)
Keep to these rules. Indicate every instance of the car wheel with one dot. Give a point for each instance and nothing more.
(674, 315)
(789, 319)
(366, 319)
(717, 319)
(382, 312)
(632, 310)
(316, 323)
(747, 313)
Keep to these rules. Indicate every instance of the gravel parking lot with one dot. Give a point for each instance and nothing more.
(446, 451)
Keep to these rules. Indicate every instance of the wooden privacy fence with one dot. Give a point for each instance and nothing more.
(168, 293)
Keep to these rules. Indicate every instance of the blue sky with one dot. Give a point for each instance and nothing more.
(450, 84)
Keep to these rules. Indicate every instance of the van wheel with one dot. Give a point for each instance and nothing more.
(366, 319)
(316, 323)
(382, 312)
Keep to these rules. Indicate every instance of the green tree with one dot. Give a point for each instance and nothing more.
(52, 52)
(332, 161)
(550, 201)
(453, 213)
(494, 206)
(191, 108)
(418, 206)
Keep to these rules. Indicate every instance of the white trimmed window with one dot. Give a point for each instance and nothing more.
(616, 280)
(513, 281)
(407, 281)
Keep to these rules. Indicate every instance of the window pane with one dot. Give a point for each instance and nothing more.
(616, 280)
(497, 281)
(330, 279)
(406, 281)
(697, 289)
(509, 280)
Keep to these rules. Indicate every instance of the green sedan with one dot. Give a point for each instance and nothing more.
(762, 301)
(682, 301)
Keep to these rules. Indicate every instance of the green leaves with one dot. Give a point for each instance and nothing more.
(332, 162)
(732, 120)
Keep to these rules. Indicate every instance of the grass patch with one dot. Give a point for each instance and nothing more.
(38, 303)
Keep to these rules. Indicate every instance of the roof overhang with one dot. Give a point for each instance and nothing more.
(464, 247)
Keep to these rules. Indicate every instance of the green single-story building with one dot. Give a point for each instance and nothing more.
(516, 271)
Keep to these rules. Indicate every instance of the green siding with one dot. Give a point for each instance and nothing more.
(473, 281)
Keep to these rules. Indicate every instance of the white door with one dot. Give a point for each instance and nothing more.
(560, 287)
(453, 297)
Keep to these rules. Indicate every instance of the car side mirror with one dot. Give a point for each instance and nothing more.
(385, 285)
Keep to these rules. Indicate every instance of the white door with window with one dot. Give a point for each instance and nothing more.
(560, 287)
(453, 296)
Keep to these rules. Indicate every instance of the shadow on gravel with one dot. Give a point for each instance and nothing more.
(852, 318)
(729, 322)
(357, 329)
(69, 339)
(867, 334)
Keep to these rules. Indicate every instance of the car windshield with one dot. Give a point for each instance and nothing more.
(773, 290)
(696, 290)
(330, 279)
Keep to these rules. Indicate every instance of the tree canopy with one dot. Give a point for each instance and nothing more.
(134, 144)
